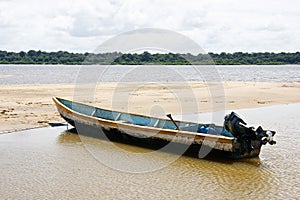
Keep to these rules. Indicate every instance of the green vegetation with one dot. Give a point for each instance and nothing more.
(114, 58)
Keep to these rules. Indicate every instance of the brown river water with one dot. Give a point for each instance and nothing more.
(53, 163)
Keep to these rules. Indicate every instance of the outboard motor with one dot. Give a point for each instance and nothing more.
(234, 124)
(265, 136)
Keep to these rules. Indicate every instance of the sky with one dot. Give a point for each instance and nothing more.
(215, 25)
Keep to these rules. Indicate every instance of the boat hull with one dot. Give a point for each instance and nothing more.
(226, 146)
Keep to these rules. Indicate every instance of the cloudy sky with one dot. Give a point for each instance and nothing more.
(216, 25)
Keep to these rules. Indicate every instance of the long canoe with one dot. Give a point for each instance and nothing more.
(225, 139)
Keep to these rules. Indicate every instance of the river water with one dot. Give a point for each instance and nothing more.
(44, 74)
(53, 163)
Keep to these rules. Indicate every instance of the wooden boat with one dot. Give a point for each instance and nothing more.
(233, 139)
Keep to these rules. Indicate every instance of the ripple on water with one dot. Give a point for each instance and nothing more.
(50, 163)
(283, 166)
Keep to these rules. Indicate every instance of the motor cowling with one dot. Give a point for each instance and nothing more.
(234, 124)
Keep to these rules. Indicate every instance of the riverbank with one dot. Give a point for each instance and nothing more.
(30, 105)
(146, 58)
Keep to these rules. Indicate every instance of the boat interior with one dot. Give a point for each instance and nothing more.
(140, 120)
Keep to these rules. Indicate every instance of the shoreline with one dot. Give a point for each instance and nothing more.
(23, 129)
(64, 123)
(149, 64)
(30, 105)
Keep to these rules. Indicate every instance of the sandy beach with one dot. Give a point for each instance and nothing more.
(29, 106)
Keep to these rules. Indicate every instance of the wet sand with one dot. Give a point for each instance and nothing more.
(52, 163)
(28, 106)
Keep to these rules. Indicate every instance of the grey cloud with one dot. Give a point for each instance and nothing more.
(152, 39)
(86, 26)
(272, 27)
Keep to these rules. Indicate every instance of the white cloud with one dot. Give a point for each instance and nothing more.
(216, 25)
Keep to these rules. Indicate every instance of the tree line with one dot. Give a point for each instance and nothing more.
(117, 58)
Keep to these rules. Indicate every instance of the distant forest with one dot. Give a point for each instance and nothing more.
(116, 58)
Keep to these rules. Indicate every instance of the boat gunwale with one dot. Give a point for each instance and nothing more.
(120, 124)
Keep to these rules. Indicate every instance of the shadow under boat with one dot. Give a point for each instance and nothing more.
(57, 124)
(114, 135)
